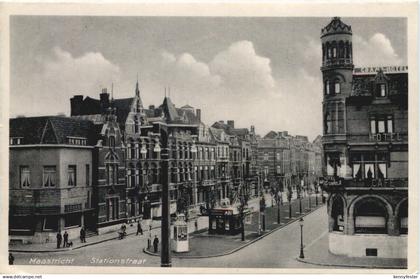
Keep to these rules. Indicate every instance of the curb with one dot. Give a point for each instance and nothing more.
(237, 248)
(353, 266)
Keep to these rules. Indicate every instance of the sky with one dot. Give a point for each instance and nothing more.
(256, 71)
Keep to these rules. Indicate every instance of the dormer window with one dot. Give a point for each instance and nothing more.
(381, 90)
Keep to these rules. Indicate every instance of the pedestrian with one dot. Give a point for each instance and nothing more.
(82, 235)
(65, 239)
(139, 229)
(11, 259)
(196, 225)
(155, 244)
(59, 238)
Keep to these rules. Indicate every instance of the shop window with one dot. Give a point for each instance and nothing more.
(71, 175)
(49, 176)
(50, 223)
(72, 220)
(370, 217)
(25, 177)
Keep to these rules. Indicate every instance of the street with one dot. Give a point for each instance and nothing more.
(277, 250)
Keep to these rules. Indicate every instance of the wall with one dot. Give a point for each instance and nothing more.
(388, 246)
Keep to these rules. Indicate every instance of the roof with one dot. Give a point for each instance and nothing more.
(271, 135)
(364, 85)
(336, 26)
(175, 115)
(50, 129)
(123, 107)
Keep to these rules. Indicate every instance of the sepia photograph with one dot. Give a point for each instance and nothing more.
(272, 142)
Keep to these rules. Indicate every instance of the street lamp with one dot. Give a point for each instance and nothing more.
(165, 256)
(300, 198)
(301, 255)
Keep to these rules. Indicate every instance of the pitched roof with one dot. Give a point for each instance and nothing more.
(50, 129)
(271, 135)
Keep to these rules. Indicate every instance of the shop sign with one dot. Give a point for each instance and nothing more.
(387, 69)
(385, 137)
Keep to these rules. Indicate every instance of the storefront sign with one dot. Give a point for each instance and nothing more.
(387, 69)
(385, 137)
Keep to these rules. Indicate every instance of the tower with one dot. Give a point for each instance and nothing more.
(337, 73)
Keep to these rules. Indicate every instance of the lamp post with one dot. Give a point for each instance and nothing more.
(259, 201)
(300, 198)
(301, 255)
(279, 198)
(289, 199)
(316, 193)
(165, 256)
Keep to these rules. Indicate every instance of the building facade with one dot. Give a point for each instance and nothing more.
(365, 146)
(50, 178)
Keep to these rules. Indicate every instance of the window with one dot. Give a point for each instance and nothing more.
(48, 176)
(327, 87)
(381, 124)
(25, 177)
(72, 175)
(337, 87)
(381, 90)
(112, 142)
(265, 156)
(15, 141)
(278, 157)
(369, 165)
(278, 169)
(112, 173)
(334, 52)
(87, 175)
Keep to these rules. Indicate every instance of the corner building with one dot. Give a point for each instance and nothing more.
(365, 146)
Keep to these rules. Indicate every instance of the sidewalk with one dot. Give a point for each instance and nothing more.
(205, 245)
(318, 254)
(96, 239)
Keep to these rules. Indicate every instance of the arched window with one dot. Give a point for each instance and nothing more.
(337, 213)
(337, 87)
(347, 52)
(334, 50)
(327, 87)
(370, 216)
(341, 49)
(328, 50)
(328, 124)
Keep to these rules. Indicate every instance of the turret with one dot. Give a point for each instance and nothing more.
(337, 59)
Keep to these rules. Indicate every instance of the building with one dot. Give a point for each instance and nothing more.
(50, 178)
(288, 161)
(365, 150)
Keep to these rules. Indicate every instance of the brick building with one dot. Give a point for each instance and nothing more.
(365, 150)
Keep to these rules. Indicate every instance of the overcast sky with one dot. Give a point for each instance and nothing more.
(256, 71)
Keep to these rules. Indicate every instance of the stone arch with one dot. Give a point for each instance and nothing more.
(401, 216)
(374, 200)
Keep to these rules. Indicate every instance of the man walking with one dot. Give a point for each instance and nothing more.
(82, 235)
(65, 239)
(59, 238)
(155, 244)
(139, 229)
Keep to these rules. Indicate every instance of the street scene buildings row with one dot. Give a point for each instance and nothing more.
(101, 166)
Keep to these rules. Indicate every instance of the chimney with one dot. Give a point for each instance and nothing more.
(231, 124)
(198, 114)
(104, 100)
(76, 105)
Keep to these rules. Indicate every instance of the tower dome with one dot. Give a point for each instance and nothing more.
(336, 26)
